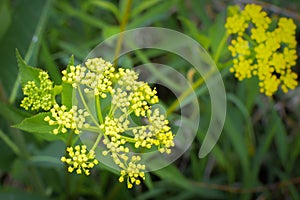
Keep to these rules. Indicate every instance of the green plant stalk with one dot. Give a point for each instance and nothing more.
(200, 81)
(98, 107)
(67, 176)
(100, 117)
(87, 108)
(10, 143)
(219, 49)
(186, 93)
(97, 141)
(122, 29)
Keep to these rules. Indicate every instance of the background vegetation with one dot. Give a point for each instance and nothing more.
(257, 156)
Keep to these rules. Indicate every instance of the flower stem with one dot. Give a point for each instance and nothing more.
(128, 139)
(122, 29)
(98, 107)
(186, 93)
(10, 143)
(220, 47)
(86, 107)
(97, 141)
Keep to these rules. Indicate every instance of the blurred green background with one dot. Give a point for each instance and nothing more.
(257, 156)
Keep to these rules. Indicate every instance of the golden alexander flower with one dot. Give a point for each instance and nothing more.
(38, 95)
(259, 50)
(80, 160)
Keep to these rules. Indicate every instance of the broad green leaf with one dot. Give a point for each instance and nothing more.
(27, 73)
(41, 129)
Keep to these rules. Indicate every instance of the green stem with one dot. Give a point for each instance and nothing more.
(86, 107)
(10, 143)
(67, 176)
(220, 47)
(98, 107)
(97, 141)
(94, 129)
(186, 93)
(122, 29)
(128, 139)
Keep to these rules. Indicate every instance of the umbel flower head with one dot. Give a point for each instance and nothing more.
(112, 125)
(128, 96)
(260, 49)
(80, 160)
(38, 95)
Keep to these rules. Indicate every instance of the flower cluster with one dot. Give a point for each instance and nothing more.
(128, 97)
(81, 160)
(38, 95)
(113, 125)
(72, 119)
(133, 172)
(261, 50)
(96, 76)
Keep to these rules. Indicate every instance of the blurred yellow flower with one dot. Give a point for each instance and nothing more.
(260, 50)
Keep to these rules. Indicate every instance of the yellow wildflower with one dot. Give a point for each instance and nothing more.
(39, 95)
(80, 160)
(261, 51)
(72, 119)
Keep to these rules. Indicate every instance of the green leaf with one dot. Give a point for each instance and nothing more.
(49, 63)
(66, 95)
(27, 73)
(71, 61)
(11, 113)
(156, 13)
(141, 6)
(193, 30)
(41, 129)
(67, 89)
(172, 174)
(110, 30)
(106, 5)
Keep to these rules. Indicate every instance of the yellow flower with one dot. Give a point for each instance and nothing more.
(236, 24)
(239, 47)
(96, 76)
(128, 96)
(39, 95)
(261, 51)
(132, 172)
(72, 119)
(80, 160)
